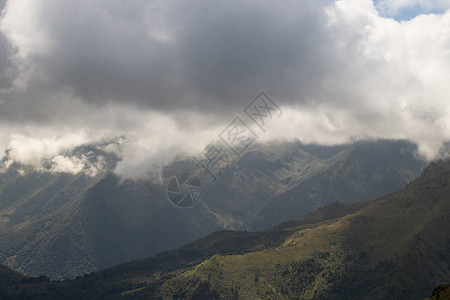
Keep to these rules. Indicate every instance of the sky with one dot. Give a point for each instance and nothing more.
(401, 10)
(153, 79)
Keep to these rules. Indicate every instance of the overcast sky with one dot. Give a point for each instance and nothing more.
(168, 76)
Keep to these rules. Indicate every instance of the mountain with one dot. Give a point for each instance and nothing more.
(441, 292)
(358, 172)
(393, 247)
(63, 225)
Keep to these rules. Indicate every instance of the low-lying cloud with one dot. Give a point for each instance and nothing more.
(170, 75)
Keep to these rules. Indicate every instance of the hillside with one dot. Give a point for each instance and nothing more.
(441, 292)
(63, 225)
(393, 247)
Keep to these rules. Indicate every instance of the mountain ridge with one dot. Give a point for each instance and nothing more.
(64, 225)
(392, 247)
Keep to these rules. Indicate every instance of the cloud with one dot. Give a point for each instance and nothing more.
(140, 138)
(165, 55)
(65, 164)
(170, 75)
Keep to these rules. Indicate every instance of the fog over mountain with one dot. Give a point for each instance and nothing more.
(149, 80)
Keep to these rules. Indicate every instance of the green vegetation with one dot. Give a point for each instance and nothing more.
(393, 247)
(64, 225)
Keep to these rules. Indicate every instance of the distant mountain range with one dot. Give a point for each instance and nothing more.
(62, 225)
(393, 247)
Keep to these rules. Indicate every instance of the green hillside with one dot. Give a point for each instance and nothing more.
(64, 225)
(393, 247)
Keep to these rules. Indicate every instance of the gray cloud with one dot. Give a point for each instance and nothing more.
(7, 71)
(174, 55)
(170, 75)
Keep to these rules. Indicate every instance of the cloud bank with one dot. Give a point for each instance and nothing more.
(170, 75)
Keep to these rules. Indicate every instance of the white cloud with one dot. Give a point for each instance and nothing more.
(145, 139)
(65, 164)
(34, 144)
(22, 23)
(75, 165)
